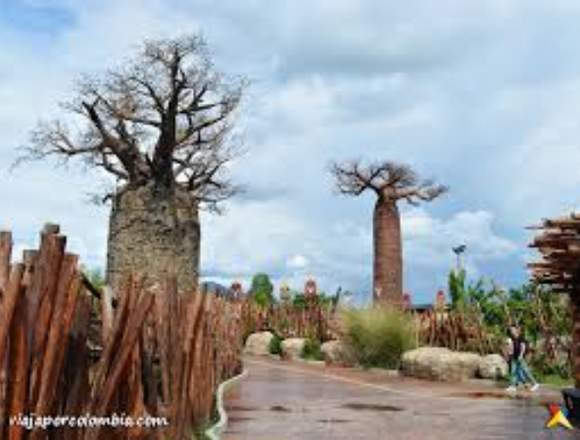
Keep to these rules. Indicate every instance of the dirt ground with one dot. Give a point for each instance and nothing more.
(283, 401)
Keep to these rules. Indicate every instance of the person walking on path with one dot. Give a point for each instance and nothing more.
(517, 348)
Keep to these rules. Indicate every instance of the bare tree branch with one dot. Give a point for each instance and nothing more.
(354, 179)
(389, 180)
(165, 116)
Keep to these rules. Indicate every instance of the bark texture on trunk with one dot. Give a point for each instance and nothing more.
(388, 258)
(154, 231)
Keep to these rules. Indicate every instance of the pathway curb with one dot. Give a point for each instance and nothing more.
(215, 431)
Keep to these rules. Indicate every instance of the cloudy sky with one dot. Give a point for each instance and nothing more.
(481, 96)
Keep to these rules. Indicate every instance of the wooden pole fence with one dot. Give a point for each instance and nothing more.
(159, 352)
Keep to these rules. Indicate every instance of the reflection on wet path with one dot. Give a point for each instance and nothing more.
(279, 401)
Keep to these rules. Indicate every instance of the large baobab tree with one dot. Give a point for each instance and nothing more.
(161, 125)
(391, 183)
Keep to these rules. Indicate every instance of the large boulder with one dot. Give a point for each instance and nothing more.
(292, 348)
(336, 353)
(258, 344)
(493, 366)
(467, 364)
(441, 364)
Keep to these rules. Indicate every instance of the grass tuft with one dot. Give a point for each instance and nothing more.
(378, 336)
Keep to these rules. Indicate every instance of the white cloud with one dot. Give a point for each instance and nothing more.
(481, 96)
(297, 262)
(428, 243)
(429, 240)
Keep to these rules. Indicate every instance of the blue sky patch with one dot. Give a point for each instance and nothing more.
(35, 19)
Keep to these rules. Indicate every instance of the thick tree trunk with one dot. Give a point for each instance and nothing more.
(154, 231)
(388, 258)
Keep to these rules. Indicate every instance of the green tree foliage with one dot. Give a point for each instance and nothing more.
(96, 277)
(456, 285)
(262, 289)
(311, 350)
(463, 293)
(543, 315)
(299, 301)
(528, 306)
(275, 346)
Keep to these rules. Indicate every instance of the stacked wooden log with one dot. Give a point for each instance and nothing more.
(558, 242)
(161, 353)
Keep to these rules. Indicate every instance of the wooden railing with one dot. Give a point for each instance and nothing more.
(158, 352)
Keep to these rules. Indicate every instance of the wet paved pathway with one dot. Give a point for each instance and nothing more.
(283, 401)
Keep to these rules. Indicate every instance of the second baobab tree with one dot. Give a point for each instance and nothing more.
(161, 126)
(391, 182)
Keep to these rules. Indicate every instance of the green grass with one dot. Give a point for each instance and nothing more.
(549, 380)
(378, 336)
(556, 381)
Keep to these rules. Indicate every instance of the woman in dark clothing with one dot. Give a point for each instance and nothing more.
(517, 348)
